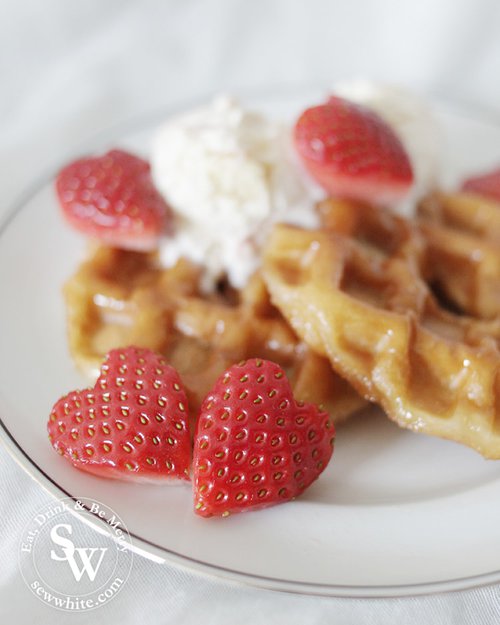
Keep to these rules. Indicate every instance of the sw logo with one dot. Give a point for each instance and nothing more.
(90, 558)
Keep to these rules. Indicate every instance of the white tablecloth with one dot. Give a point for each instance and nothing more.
(70, 69)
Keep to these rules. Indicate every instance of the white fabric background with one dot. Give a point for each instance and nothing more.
(70, 69)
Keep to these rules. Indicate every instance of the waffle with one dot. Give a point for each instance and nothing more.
(119, 298)
(357, 293)
(463, 235)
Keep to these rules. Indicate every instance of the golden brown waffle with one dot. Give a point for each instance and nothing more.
(463, 236)
(119, 298)
(355, 293)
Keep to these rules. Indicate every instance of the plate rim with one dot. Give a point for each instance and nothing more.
(152, 551)
(145, 547)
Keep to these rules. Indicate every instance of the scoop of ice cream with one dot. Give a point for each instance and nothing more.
(228, 175)
(413, 122)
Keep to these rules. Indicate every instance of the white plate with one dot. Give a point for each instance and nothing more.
(395, 512)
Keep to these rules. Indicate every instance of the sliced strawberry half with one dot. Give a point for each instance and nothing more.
(353, 153)
(132, 425)
(112, 198)
(255, 445)
(487, 185)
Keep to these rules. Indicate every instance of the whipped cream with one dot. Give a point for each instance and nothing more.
(414, 124)
(229, 175)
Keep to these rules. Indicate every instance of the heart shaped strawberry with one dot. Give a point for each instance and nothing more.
(132, 425)
(352, 153)
(255, 445)
(113, 198)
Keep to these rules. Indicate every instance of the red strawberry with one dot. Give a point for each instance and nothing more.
(132, 425)
(255, 445)
(113, 198)
(352, 153)
(487, 185)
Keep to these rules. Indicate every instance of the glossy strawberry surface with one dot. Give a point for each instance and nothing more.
(352, 153)
(132, 425)
(255, 445)
(112, 198)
